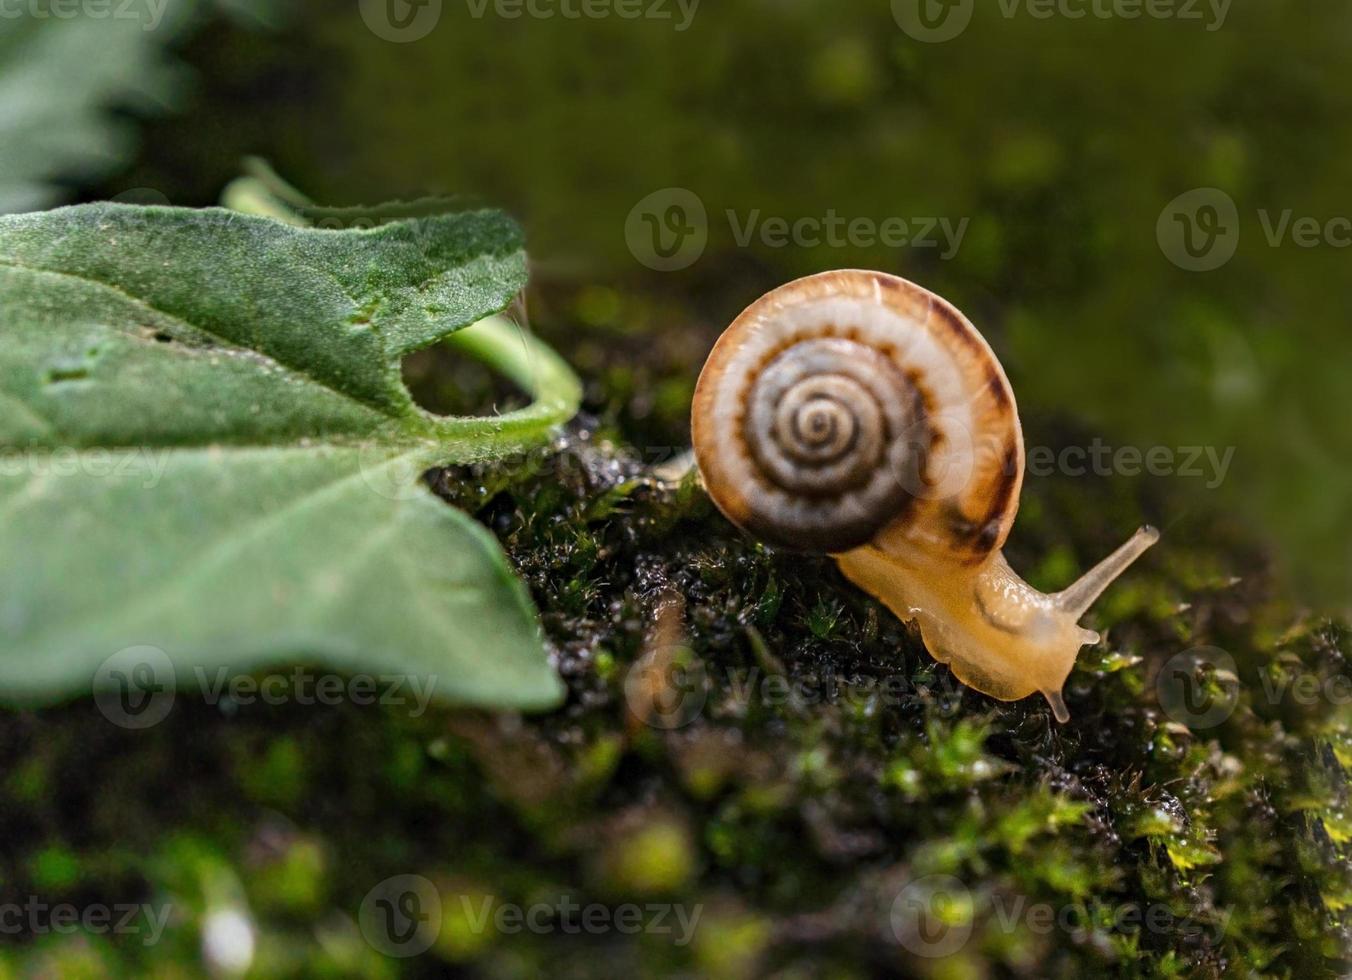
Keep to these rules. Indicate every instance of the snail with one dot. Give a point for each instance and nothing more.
(856, 414)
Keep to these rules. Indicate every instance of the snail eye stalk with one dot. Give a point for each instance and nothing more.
(856, 414)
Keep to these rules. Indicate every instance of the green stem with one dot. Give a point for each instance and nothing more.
(505, 346)
(249, 196)
(497, 341)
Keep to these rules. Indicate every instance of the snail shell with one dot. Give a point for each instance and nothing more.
(858, 414)
(852, 404)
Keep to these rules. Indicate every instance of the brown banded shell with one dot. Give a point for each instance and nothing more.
(855, 406)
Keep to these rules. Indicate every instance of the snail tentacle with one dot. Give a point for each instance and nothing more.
(857, 414)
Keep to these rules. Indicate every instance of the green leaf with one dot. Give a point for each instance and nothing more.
(206, 447)
(61, 77)
(57, 81)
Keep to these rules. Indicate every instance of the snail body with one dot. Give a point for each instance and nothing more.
(857, 414)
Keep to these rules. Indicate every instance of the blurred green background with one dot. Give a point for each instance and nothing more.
(1059, 141)
(1060, 145)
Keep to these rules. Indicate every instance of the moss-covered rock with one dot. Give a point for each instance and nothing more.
(754, 747)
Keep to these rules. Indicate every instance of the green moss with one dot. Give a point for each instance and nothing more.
(654, 859)
(830, 765)
(55, 869)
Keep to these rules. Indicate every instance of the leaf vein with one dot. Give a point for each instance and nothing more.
(142, 303)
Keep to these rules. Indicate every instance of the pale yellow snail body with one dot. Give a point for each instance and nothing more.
(858, 414)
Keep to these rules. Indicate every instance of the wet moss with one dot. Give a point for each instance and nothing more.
(747, 737)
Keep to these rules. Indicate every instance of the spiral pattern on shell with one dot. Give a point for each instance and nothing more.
(854, 404)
